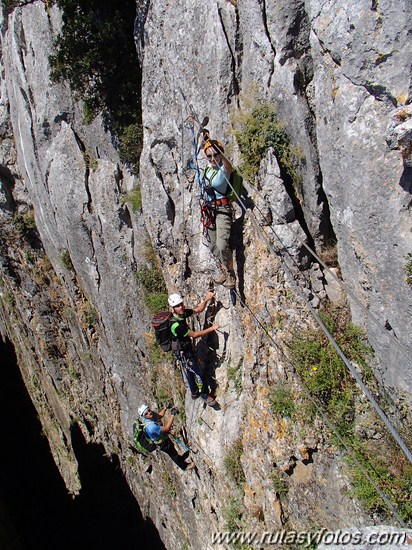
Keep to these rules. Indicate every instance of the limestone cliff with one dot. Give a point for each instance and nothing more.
(339, 77)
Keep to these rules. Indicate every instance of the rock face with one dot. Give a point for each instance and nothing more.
(339, 77)
(362, 82)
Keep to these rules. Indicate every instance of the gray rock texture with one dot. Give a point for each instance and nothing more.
(339, 76)
(361, 75)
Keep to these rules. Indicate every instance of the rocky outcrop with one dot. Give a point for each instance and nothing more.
(362, 78)
(73, 302)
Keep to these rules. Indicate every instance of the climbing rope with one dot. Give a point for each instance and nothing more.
(327, 420)
(182, 251)
(406, 353)
(352, 370)
(298, 291)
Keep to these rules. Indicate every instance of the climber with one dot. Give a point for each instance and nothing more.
(158, 433)
(183, 348)
(216, 185)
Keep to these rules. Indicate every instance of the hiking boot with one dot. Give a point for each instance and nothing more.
(220, 279)
(190, 466)
(195, 395)
(210, 401)
(230, 281)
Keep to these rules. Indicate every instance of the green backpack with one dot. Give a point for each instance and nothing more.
(142, 442)
(236, 181)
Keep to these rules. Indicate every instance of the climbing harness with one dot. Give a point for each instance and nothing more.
(207, 217)
(185, 365)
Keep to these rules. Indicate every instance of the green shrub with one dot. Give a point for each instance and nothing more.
(234, 374)
(257, 131)
(89, 313)
(156, 354)
(25, 225)
(96, 54)
(166, 385)
(134, 197)
(131, 141)
(391, 472)
(232, 514)
(65, 260)
(324, 372)
(408, 269)
(90, 161)
(233, 464)
(30, 257)
(10, 4)
(9, 299)
(169, 484)
(327, 378)
(280, 484)
(73, 373)
(151, 278)
(281, 401)
(156, 301)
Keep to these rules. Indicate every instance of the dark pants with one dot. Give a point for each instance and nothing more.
(167, 447)
(194, 375)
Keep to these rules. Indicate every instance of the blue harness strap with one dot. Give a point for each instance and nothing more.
(206, 211)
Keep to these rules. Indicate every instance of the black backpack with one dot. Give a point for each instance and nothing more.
(142, 442)
(161, 325)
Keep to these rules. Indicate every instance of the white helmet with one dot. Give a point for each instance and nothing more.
(142, 409)
(174, 300)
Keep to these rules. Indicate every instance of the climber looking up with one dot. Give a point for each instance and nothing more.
(158, 433)
(216, 186)
(183, 348)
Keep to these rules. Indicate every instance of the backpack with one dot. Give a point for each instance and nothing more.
(142, 442)
(236, 181)
(161, 325)
(235, 188)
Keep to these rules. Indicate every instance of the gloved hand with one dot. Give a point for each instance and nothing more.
(174, 411)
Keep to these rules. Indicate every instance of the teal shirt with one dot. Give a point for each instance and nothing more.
(218, 179)
(153, 428)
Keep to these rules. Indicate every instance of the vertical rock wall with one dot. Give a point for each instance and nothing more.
(78, 298)
(339, 78)
(362, 84)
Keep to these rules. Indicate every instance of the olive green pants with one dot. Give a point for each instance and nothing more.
(220, 236)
